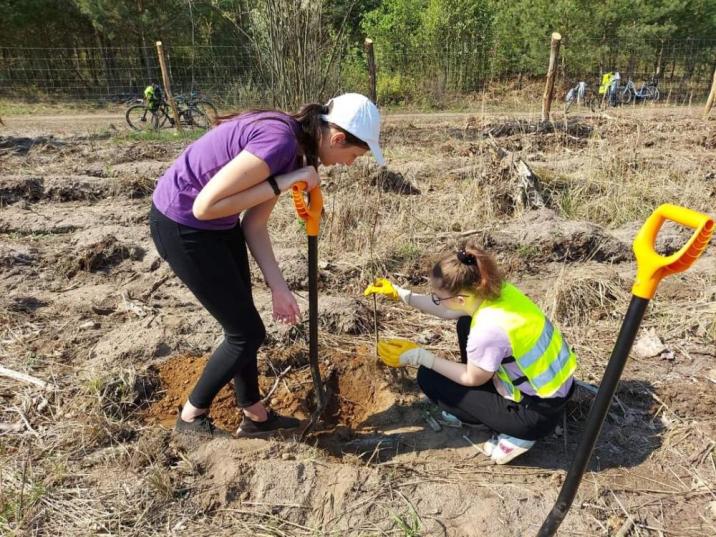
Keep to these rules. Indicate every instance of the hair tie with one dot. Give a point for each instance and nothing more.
(466, 258)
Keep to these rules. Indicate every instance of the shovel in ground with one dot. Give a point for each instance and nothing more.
(651, 268)
(311, 215)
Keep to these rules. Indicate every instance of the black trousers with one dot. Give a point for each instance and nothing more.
(530, 419)
(214, 265)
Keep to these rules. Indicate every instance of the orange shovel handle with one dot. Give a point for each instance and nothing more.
(652, 266)
(311, 213)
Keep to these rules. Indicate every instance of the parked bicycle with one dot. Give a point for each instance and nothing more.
(582, 95)
(647, 92)
(197, 101)
(155, 113)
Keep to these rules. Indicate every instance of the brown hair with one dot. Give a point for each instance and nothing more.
(469, 269)
(312, 127)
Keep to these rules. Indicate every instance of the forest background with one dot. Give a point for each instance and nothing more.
(429, 53)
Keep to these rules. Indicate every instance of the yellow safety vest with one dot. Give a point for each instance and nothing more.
(538, 348)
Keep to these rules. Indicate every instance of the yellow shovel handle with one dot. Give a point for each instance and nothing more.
(652, 266)
(311, 213)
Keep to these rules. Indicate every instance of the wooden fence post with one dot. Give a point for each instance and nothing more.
(372, 82)
(712, 97)
(551, 72)
(167, 87)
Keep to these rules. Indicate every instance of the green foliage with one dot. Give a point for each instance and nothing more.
(425, 49)
(166, 135)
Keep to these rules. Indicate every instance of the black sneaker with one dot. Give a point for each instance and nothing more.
(275, 423)
(202, 426)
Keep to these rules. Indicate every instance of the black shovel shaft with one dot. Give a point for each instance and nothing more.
(313, 321)
(597, 414)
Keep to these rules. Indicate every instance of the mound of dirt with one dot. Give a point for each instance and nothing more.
(75, 188)
(542, 235)
(144, 151)
(573, 127)
(336, 315)
(101, 255)
(56, 188)
(670, 239)
(20, 145)
(15, 188)
(293, 263)
(355, 389)
(348, 316)
(137, 179)
(393, 181)
(388, 180)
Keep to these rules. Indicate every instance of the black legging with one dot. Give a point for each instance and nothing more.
(214, 265)
(530, 419)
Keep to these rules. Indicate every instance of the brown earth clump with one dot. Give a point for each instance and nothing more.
(355, 387)
(102, 254)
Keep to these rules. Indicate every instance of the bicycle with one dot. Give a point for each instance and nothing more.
(647, 92)
(198, 102)
(580, 94)
(193, 113)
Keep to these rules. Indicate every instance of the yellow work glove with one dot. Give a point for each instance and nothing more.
(402, 352)
(382, 286)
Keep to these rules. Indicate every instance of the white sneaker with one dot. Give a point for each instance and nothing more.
(489, 446)
(509, 447)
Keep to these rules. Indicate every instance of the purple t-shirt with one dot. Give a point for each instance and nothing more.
(270, 136)
(488, 345)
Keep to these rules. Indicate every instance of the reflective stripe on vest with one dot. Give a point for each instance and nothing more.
(540, 352)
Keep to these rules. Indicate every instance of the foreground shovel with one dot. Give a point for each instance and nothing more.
(651, 268)
(311, 215)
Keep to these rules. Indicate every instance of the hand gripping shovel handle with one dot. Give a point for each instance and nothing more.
(651, 268)
(311, 213)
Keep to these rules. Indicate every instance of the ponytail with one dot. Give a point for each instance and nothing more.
(309, 118)
(469, 269)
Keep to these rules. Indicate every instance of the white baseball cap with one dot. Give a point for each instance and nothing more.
(356, 113)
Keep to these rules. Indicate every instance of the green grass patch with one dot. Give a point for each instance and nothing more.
(167, 135)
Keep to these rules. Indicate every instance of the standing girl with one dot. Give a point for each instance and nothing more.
(516, 370)
(214, 201)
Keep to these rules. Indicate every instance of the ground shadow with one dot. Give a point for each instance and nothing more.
(631, 432)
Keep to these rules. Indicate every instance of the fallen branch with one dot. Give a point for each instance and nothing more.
(156, 285)
(23, 377)
(275, 384)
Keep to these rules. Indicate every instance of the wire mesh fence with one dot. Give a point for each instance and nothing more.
(235, 76)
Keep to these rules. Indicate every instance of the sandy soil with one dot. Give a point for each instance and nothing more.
(88, 305)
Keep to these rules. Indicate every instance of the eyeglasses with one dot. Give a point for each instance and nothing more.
(437, 299)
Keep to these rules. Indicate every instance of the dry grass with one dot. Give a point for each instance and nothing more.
(588, 298)
(82, 463)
